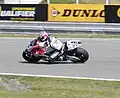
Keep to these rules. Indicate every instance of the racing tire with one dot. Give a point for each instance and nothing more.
(82, 54)
(32, 59)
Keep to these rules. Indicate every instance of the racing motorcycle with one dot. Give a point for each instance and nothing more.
(71, 50)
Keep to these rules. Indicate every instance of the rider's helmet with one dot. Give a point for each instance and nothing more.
(43, 36)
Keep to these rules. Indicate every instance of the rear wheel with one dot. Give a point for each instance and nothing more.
(31, 59)
(82, 54)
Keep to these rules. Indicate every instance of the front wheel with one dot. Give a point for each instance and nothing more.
(82, 54)
(28, 58)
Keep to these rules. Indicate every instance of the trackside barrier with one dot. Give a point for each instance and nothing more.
(30, 27)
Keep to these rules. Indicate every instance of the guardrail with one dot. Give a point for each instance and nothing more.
(25, 26)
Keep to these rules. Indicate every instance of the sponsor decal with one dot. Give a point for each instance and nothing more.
(18, 12)
(118, 12)
(76, 13)
(112, 13)
(30, 12)
(55, 12)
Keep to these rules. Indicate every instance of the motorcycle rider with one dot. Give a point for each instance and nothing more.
(50, 41)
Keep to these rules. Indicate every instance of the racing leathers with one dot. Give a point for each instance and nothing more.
(57, 48)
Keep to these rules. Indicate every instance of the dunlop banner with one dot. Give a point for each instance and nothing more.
(23, 12)
(112, 13)
(76, 12)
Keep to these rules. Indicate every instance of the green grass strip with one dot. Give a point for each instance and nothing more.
(62, 88)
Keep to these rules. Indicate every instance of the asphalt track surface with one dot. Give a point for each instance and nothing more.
(104, 61)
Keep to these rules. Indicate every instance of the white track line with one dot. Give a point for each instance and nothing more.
(50, 76)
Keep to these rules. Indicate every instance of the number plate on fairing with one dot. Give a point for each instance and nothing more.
(72, 44)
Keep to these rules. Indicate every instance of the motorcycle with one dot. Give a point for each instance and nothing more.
(71, 50)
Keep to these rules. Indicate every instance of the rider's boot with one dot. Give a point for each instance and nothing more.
(64, 57)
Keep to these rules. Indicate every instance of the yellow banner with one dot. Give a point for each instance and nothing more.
(76, 12)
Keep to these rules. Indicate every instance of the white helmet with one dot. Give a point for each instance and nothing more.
(43, 36)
